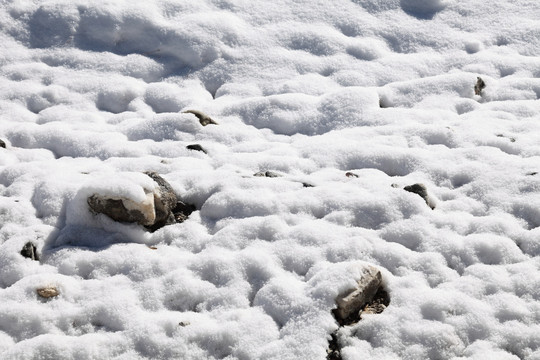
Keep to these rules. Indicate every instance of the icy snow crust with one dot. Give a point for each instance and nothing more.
(91, 95)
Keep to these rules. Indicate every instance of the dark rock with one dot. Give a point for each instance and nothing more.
(307, 185)
(117, 209)
(29, 250)
(203, 118)
(333, 352)
(532, 173)
(269, 174)
(164, 201)
(351, 302)
(350, 174)
(2, 144)
(182, 211)
(154, 212)
(480, 85)
(380, 302)
(421, 190)
(196, 147)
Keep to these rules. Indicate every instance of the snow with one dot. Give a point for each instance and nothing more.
(93, 94)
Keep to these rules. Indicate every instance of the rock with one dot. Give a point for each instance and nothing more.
(125, 210)
(378, 304)
(421, 190)
(351, 174)
(48, 292)
(164, 200)
(29, 250)
(2, 144)
(196, 147)
(351, 302)
(154, 212)
(307, 185)
(203, 118)
(480, 85)
(532, 173)
(182, 211)
(512, 139)
(269, 174)
(333, 352)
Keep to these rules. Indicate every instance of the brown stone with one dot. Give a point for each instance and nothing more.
(48, 292)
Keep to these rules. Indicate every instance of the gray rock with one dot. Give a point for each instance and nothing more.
(203, 118)
(351, 302)
(479, 86)
(154, 212)
(164, 200)
(124, 210)
(29, 251)
(421, 190)
(269, 174)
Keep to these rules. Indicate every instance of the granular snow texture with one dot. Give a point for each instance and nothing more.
(92, 94)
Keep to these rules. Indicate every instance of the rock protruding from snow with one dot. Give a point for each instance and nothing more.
(155, 211)
(203, 118)
(164, 201)
(48, 292)
(196, 147)
(270, 174)
(29, 250)
(2, 144)
(479, 86)
(421, 190)
(351, 302)
(122, 209)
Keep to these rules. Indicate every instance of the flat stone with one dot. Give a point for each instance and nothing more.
(48, 292)
(352, 301)
(196, 147)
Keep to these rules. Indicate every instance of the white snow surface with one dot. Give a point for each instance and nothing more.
(92, 94)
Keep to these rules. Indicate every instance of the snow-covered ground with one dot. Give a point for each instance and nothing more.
(93, 93)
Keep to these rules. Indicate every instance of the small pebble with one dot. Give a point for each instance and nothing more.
(48, 292)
